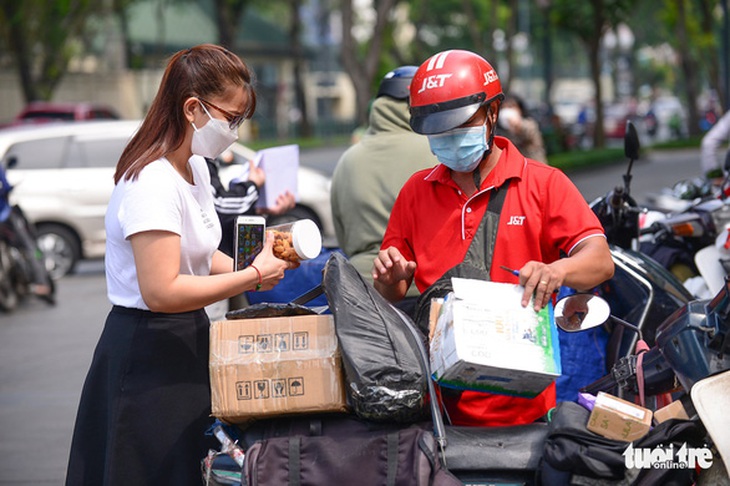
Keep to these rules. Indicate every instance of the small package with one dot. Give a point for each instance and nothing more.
(275, 366)
(484, 340)
(674, 410)
(617, 419)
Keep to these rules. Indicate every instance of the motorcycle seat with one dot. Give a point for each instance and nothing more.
(515, 448)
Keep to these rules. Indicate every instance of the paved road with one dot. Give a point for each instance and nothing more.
(45, 351)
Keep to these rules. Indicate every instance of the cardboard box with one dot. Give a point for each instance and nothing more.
(617, 419)
(275, 366)
(484, 340)
(674, 410)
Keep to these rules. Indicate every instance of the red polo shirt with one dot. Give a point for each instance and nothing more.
(433, 222)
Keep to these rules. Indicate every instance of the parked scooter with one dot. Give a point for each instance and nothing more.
(641, 292)
(690, 360)
(22, 264)
(675, 240)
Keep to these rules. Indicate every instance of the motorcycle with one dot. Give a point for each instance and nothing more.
(22, 264)
(642, 291)
(676, 239)
(690, 360)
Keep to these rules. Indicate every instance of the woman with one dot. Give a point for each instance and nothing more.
(146, 402)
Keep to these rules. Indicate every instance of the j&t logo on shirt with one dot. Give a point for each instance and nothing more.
(516, 220)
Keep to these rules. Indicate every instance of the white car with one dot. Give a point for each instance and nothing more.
(62, 177)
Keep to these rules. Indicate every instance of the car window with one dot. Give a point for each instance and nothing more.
(56, 115)
(96, 152)
(103, 115)
(38, 154)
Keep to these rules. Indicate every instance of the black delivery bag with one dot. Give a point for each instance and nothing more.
(386, 381)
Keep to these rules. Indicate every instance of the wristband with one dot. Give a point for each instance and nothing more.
(261, 279)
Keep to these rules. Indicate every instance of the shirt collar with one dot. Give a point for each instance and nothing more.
(511, 164)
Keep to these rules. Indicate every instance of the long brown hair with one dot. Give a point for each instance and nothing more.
(203, 71)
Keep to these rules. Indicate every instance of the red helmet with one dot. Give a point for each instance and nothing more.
(449, 88)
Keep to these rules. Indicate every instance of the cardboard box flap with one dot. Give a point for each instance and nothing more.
(272, 339)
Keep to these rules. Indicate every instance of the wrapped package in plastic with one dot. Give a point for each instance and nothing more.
(386, 380)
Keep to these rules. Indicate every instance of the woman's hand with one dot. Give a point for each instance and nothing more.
(271, 268)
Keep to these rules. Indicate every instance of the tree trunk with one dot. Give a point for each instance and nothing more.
(228, 14)
(475, 32)
(362, 71)
(713, 68)
(594, 51)
(296, 46)
(689, 69)
(20, 49)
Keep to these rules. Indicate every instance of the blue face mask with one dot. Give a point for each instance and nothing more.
(460, 149)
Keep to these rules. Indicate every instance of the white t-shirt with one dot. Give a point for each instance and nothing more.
(159, 199)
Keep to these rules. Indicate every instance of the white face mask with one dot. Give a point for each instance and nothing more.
(213, 138)
(507, 117)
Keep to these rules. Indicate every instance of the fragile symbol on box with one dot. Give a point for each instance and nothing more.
(263, 343)
(281, 341)
(301, 340)
(245, 345)
(261, 389)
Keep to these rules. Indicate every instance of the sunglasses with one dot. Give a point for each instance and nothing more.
(234, 121)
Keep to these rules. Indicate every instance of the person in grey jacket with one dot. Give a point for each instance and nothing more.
(370, 173)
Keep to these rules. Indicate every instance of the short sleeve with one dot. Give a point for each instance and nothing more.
(152, 202)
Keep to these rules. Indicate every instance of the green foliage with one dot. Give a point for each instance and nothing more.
(43, 36)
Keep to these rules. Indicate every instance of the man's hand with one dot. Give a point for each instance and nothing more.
(392, 274)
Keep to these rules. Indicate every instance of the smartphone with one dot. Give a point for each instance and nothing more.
(249, 240)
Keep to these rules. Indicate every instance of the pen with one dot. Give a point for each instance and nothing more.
(516, 273)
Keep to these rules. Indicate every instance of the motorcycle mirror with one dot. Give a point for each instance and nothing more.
(631, 142)
(727, 161)
(580, 312)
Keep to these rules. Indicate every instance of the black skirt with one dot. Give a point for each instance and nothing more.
(145, 405)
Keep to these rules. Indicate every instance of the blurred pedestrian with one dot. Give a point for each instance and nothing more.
(145, 405)
(718, 136)
(240, 198)
(521, 129)
(370, 173)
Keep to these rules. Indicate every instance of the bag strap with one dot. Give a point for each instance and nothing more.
(295, 463)
(481, 248)
(392, 452)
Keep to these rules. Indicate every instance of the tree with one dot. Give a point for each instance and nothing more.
(295, 29)
(228, 14)
(43, 36)
(361, 61)
(589, 20)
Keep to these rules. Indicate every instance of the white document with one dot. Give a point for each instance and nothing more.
(281, 165)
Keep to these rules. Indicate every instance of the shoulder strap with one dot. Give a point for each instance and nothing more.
(481, 249)
(477, 261)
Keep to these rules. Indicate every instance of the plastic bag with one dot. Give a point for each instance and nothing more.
(386, 378)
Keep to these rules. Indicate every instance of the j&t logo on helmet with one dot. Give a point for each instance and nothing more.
(490, 77)
(435, 81)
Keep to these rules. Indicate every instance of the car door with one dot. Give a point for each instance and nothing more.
(89, 174)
